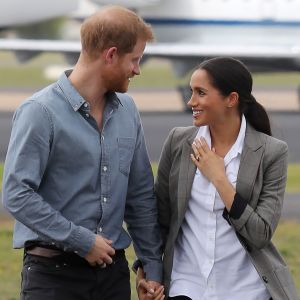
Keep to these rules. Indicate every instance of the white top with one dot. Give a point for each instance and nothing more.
(209, 261)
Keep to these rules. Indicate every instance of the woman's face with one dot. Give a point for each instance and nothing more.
(209, 106)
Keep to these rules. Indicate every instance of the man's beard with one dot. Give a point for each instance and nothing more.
(119, 85)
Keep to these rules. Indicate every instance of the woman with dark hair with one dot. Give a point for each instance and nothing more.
(220, 189)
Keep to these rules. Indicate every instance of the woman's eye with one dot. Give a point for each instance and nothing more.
(196, 91)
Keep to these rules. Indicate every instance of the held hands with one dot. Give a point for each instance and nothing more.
(207, 161)
(101, 252)
(148, 290)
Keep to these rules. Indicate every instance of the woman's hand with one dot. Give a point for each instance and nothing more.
(212, 167)
(207, 161)
(148, 290)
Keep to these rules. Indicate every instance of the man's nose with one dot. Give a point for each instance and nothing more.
(137, 70)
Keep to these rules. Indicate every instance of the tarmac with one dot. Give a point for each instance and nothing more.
(274, 99)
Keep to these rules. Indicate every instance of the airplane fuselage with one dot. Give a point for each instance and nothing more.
(19, 12)
(219, 22)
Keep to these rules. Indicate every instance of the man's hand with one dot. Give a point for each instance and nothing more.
(101, 252)
(148, 290)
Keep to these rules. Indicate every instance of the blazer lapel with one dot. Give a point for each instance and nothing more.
(186, 176)
(250, 161)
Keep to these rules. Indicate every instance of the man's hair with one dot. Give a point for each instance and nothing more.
(113, 26)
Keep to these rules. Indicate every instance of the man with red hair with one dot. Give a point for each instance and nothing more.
(77, 168)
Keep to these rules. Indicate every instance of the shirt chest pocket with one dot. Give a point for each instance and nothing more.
(126, 150)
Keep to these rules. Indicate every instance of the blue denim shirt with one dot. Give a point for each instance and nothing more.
(65, 181)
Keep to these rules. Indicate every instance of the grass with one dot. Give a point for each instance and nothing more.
(292, 186)
(11, 264)
(156, 73)
(14, 74)
(29, 75)
(293, 179)
(24, 77)
(287, 79)
(286, 238)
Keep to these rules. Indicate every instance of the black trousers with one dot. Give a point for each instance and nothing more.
(179, 298)
(184, 298)
(70, 277)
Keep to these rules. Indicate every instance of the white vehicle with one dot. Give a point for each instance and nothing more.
(265, 34)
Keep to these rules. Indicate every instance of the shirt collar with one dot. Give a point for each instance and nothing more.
(204, 132)
(113, 99)
(75, 99)
(236, 148)
(71, 94)
(239, 143)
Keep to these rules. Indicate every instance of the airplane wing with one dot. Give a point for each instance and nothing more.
(39, 46)
(26, 49)
(257, 58)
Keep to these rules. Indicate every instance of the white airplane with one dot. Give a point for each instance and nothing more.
(19, 12)
(265, 34)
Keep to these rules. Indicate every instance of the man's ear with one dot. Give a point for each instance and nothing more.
(233, 99)
(110, 54)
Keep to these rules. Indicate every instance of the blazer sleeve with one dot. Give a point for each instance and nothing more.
(257, 224)
(162, 187)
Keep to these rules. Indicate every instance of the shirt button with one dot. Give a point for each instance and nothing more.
(85, 105)
(100, 229)
(105, 168)
(76, 252)
(104, 199)
(102, 137)
(87, 115)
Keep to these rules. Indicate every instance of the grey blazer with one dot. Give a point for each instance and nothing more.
(261, 182)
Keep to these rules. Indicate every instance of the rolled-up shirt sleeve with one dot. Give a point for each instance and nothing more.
(25, 166)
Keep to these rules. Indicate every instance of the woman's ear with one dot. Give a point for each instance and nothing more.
(233, 99)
